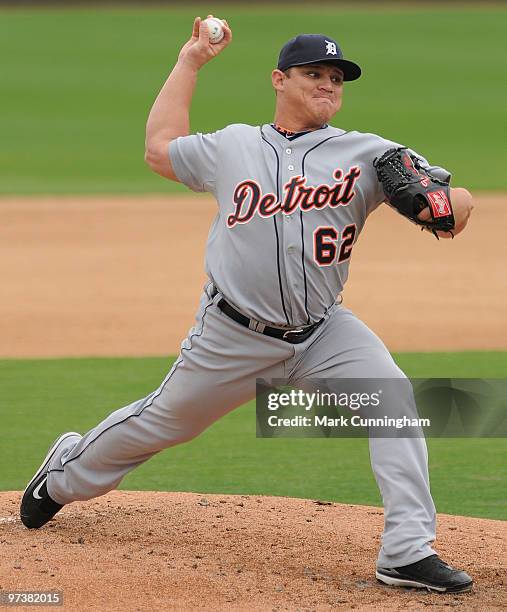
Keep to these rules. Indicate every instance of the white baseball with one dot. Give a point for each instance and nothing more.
(216, 30)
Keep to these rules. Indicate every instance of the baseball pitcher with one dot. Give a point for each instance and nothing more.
(292, 198)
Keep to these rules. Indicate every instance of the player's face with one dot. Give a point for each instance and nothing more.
(312, 92)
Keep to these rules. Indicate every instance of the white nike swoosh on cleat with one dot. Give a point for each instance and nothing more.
(38, 488)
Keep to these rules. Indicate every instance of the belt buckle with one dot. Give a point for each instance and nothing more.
(293, 331)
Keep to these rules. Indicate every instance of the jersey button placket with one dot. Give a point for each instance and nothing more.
(291, 233)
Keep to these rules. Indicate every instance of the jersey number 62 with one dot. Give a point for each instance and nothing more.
(325, 244)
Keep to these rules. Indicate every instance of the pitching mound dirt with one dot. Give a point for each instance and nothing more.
(168, 551)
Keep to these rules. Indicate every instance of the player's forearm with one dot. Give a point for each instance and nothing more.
(170, 114)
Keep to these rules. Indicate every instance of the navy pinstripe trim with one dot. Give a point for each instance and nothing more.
(276, 228)
(277, 166)
(279, 271)
(302, 224)
(150, 399)
(303, 264)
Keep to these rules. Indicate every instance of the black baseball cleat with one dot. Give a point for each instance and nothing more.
(37, 508)
(430, 573)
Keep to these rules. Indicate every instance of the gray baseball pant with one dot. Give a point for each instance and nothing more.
(215, 373)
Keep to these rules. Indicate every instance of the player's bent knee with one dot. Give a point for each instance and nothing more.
(381, 365)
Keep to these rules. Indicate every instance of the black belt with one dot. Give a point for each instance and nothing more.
(294, 336)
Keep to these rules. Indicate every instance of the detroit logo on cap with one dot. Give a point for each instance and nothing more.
(330, 48)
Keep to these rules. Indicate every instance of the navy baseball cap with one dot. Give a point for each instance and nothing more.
(313, 49)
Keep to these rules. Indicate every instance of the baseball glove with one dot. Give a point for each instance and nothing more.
(410, 189)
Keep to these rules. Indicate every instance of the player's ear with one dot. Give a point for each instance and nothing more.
(278, 78)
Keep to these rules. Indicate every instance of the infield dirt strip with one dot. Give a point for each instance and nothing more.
(122, 276)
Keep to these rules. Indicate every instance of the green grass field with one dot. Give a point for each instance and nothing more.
(41, 398)
(77, 86)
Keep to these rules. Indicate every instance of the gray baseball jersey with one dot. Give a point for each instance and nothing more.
(289, 213)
